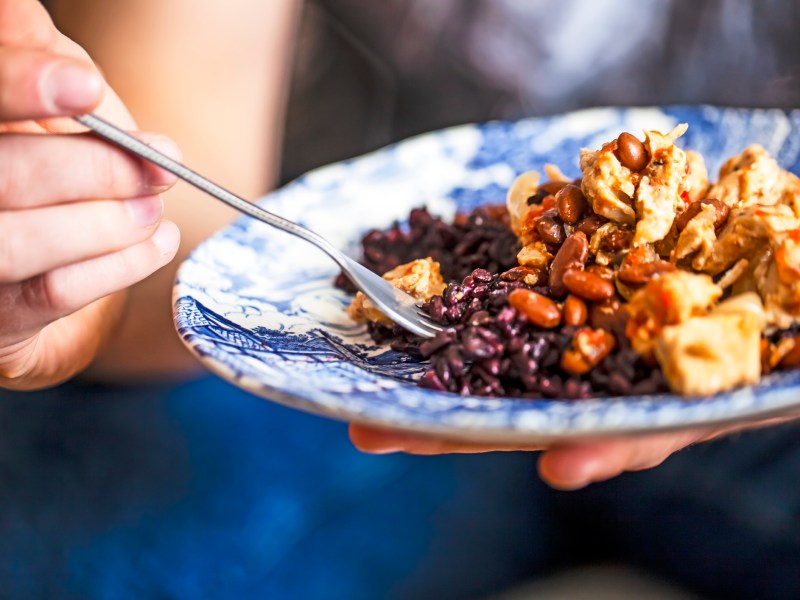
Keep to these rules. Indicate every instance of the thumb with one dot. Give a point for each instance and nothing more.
(26, 24)
(46, 85)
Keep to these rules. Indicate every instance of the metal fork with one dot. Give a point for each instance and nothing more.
(399, 306)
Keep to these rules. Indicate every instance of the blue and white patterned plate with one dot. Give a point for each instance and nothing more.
(258, 307)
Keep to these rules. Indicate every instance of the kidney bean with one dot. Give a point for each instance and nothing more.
(638, 274)
(589, 347)
(538, 309)
(571, 203)
(632, 152)
(572, 362)
(524, 274)
(588, 286)
(606, 273)
(575, 311)
(722, 211)
(550, 230)
(617, 240)
(682, 220)
(591, 224)
(571, 255)
(605, 315)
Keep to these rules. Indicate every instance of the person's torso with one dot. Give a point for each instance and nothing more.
(369, 73)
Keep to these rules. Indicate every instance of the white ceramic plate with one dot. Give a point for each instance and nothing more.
(258, 307)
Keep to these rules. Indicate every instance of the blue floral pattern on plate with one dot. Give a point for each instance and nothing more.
(258, 307)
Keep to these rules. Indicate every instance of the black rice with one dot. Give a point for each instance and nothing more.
(481, 239)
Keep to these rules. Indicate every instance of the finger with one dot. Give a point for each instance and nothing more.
(376, 440)
(36, 84)
(573, 466)
(39, 361)
(47, 169)
(32, 304)
(33, 242)
(25, 23)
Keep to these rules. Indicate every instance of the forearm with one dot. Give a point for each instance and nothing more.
(212, 76)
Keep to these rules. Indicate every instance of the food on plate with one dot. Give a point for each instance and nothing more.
(421, 278)
(641, 276)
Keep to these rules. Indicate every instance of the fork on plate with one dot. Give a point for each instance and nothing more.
(399, 306)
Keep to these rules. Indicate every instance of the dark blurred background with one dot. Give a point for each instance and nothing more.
(369, 73)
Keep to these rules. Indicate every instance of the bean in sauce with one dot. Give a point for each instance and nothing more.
(632, 152)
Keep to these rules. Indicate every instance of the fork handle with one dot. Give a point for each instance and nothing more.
(124, 140)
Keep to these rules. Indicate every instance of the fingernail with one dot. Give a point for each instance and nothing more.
(164, 145)
(167, 238)
(146, 211)
(70, 87)
(160, 178)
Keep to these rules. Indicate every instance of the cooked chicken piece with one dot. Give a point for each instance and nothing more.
(648, 199)
(699, 234)
(767, 239)
(787, 255)
(607, 184)
(697, 182)
(525, 186)
(748, 302)
(778, 280)
(696, 228)
(755, 263)
(421, 278)
(754, 177)
(669, 299)
(733, 275)
(534, 255)
(554, 173)
(712, 353)
(790, 196)
(659, 196)
(746, 231)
